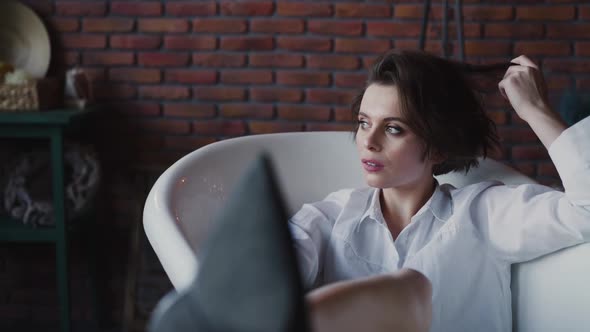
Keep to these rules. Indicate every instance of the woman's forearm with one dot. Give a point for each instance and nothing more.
(546, 124)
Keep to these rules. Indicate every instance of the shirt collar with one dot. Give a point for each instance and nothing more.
(440, 205)
(441, 202)
(374, 209)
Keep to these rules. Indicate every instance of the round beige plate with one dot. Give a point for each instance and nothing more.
(24, 41)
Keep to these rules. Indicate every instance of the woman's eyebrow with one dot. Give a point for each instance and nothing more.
(391, 118)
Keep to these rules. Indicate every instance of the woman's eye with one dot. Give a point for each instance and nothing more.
(393, 130)
(363, 124)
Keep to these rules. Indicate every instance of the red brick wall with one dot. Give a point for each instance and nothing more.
(184, 74)
(176, 75)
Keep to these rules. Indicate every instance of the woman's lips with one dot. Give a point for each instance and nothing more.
(372, 165)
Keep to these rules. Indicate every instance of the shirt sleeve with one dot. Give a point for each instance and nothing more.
(310, 229)
(526, 221)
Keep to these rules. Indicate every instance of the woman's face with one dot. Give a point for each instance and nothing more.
(391, 154)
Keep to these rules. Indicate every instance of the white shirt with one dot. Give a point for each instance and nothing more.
(463, 239)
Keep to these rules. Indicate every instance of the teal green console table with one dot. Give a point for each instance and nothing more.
(49, 125)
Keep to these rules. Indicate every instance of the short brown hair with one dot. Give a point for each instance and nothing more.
(440, 104)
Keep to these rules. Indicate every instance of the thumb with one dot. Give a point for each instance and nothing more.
(501, 87)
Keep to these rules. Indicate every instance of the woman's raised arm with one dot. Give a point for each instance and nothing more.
(523, 85)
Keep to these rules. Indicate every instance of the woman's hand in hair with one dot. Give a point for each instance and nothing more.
(523, 85)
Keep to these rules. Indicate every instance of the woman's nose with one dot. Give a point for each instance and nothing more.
(371, 142)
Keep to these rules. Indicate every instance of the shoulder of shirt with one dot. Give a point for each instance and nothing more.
(493, 191)
(470, 189)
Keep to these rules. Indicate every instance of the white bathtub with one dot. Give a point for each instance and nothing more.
(551, 293)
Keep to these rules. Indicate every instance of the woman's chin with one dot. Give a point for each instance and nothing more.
(375, 182)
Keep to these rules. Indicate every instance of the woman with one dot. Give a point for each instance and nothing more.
(405, 254)
(417, 117)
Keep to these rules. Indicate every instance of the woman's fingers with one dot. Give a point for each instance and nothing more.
(516, 69)
(510, 72)
(525, 70)
(524, 87)
(501, 88)
(523, 60)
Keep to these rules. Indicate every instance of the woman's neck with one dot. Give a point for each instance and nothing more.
(400, 204)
